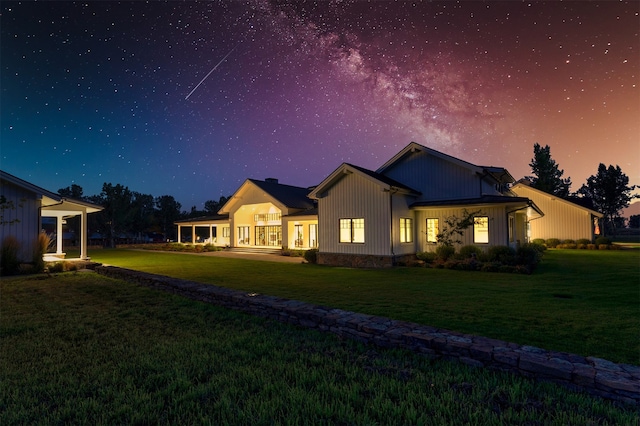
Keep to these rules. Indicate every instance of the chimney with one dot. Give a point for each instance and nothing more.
(271, 180)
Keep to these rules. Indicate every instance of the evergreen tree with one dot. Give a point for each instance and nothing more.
(546, 175)
(610, 192)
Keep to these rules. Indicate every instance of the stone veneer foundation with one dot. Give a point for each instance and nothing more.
(618, 382)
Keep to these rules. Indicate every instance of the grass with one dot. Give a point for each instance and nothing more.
(578, 301)
(79, 348)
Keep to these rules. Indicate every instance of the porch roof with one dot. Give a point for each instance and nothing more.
(516, 202)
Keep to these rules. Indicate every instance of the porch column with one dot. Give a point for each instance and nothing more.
(59, 235)
(179, 232)
(83, 235)
(193, 234)
(211, 234)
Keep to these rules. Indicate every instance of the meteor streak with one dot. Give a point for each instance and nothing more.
(212, 70)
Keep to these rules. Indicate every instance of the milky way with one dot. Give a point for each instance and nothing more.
(99, 92)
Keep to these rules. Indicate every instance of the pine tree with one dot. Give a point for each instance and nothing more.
(547, 177)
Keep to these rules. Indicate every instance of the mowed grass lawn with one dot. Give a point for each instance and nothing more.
(80, 348)
(578, 301)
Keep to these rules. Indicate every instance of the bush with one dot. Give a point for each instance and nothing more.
(583, 241)
(539, 241)
(444, 252)
(470, 251)
(603, 241)
(9, 263)
(311, 256)
(592, 247)
(570, 246)
(603, 247)
(427, 256)
(568, 241)
(503, 254)
(582, 246)
(529, 254)
(552, 242)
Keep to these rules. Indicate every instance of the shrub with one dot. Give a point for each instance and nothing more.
(569, 241)
(603, 241)
(582, 246)
(56, 267)
(427, 256)
(552, 242)
(211, 247)
(503, 254)
(470, 251)
(539, 241)
(592, 247)
(529, 254)
(444, 252)
(583, 241)
(570, 246)
(603, 246)
(311, 256)
(490, 267)
(9, 263)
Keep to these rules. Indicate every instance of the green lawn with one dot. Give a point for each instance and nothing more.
(79, 348)
(578, 301)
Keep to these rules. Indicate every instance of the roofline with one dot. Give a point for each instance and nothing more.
(414, 146)
(555, 197)
(282, 205)
(29, 186)
(346, 169)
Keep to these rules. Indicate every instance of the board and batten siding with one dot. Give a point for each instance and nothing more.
(562, 219)
(437, 178)
(26, 211)
(498, 226)
(354, 196)
(401, 210)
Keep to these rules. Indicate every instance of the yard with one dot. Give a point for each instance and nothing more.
(79, 348)
(578, 301)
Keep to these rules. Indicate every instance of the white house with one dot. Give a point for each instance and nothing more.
(563, 219)
(377, 218)
(23, 207)
(264, 215)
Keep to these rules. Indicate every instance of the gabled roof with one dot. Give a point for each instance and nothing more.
(293, 197)
(347, 169)
(518, 202)
(500, 174)
(526, 184)
(51, 201)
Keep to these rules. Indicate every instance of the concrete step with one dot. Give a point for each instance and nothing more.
(256, 250)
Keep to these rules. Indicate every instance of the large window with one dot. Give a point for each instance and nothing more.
(226, 231)
(269, 236)
(313, 235)
(352, 230)
(406, 230)
(432, 230)
(299, 235)
(243, 235)
(481, 229)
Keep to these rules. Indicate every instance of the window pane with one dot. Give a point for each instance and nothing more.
(345, 230)
(432, 230)
(358, 230)
(406, 230)
(481, 229)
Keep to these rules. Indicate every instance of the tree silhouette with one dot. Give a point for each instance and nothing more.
(610, 192)
(546, 175)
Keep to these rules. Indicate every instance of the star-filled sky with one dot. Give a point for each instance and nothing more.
(190, 98)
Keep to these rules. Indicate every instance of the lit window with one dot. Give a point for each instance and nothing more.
(511, 228)
(226, 231)
(432, 230)
(481, 229)
(406, 230)
(352, 230)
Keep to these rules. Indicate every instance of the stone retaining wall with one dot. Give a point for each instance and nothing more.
(619, 382)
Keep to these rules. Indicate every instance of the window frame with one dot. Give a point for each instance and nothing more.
(481, 229)
(349, 230)
(406, 230)
(436, 230)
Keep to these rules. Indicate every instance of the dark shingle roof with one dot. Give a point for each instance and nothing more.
(291, 196)
(485, 199)
(384, 179)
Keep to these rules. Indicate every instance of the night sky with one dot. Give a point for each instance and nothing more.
(101, 91)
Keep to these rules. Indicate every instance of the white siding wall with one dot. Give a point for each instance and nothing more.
(401, 210)
(437, 178)
(26, 211)
(355, 197)
(561, 220)
(498, 231)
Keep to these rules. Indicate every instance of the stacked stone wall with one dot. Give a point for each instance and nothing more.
(619, 382)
